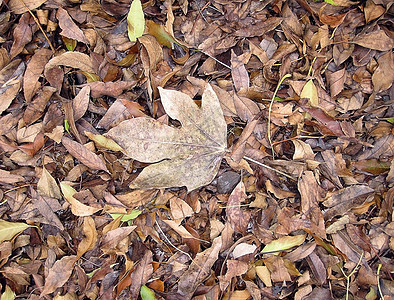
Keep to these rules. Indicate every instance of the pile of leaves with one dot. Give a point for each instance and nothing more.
(196, 150)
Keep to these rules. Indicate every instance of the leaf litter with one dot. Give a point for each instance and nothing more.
(148, 150)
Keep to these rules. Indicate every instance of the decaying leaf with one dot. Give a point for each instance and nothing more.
(47, 185)
(186, 156)
(309, 91)
(58, 274)
(284, 243)
(77, 208)
(238, 218)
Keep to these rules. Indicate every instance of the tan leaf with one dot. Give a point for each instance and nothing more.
(77, 208)
(234, 268)
(7, 177)
(22, 34)
(36, 108)
(239, 73)
(90, 239)
(377, 40)
(111, 239)
(10, 82)
(19, 7)
(238, 218)
(189, 156)
(84, 155)
(383, 76)
(179, 229)
(9, 229)
(264, 274)
(199, 270)
(302, 150)
(58, 274)
(47, 185)
(180, 209)
(284, 243)
(113, 89)
(76, 60)
(69, 28)
(309, 91)
(81, 103)
(103, 141)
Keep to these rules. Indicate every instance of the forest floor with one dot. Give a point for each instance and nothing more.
(236, 150)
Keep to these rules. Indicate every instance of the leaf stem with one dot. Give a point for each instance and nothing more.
(270, 168)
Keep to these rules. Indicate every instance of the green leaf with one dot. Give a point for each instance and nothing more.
(309, 91)
(330, 2)
(284, 243)
(130, 216)
(10, 229)
(391, 120)
(135, 21)
(8, 294)
(67, 126)
(147, 293)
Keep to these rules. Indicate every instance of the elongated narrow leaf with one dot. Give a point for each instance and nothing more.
(135, 21)
(284, 243)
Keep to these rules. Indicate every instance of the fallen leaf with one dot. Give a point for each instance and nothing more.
(180, 209)
(84, 155)
(141, 274)
(243, 249)
(309, 91)
(90, 239)
(377, 40)
(112, 238)
(199, 270)
(284, 243)
(10, 229)
(58, 274)
(239, 73)
(72, 59)
(383, 77)
(7, 177)
(135, 21)
(318, 269)
(189, 156)
(103, 141)
(22, 34)
(113, 89)
(77, 208)
(234, 268)
(69, 28)
(238, 218)
(10, 82)
(47, 185)
(81, 103)
(19, 7)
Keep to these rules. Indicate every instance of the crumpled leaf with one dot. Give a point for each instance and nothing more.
(9, 229)
(47, 185)
(77, 208)
(58, 274)
(135, 21)
(188, 156)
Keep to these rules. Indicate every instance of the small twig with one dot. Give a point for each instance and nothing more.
(377, 278)
(39, 26)
(350, 275)
(270, 168)
(269, 113)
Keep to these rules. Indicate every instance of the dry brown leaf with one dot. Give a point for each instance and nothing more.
(90, 239)
(310, 199)
(113, 89)
(7, 177)
(383, 76)
(77, 208)
(318, 268)
(69, 28)
(238, 218)
(110, 241)
(234, 268)
(141, 274)
(83, 154)
(76, 60)
(199, 270)
(58, 274)
(10, 82)
(47, 207)
(81, 103)
(180, 209)
(188, 156)
(19, 7)
(239, 73)
(47, 185)
(377, 40)
(36, 108)
(22, 34)
(337, 81)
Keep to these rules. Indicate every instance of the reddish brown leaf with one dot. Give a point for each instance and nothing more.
(239, 73)
(377, 40)
(22, 34)
(85, 156)
(237, 217)
(69, 28)
(34, 69)
(58, 274)
(141, 274)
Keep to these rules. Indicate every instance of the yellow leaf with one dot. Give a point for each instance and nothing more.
(77, 208)
(103, 141)
(284, 243)
(8, 294)
(309, 91)
(9, 229)
(135, 21)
